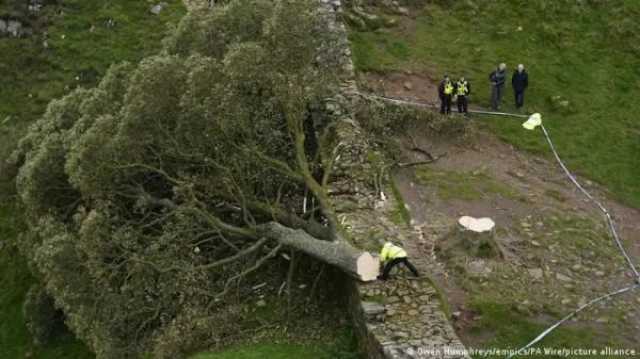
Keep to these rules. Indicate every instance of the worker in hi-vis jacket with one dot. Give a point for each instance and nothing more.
(392, 255)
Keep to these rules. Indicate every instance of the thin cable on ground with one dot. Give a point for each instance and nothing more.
(395, 100)
(571, 315)
(480, 112)
(610, 222)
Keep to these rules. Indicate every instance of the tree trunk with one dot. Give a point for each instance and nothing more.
(477, 236)
(356, 263)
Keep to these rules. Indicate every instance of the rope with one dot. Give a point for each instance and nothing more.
(497, 113)
(571, 315)
(395, 100)
(610, 222)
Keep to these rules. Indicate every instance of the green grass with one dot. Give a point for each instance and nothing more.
(400, 214)
(275, 351)
(342, 346)
(511, 331)
(587, 54)
(31, 77)
(468, 186)
(77, 56)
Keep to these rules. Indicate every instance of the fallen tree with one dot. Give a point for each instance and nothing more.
(150, 195)
(358, 264)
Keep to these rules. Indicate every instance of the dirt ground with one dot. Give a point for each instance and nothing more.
(557, 252)
(408, 86)
(421, 87)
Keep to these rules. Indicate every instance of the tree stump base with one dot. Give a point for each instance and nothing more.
(477, 237)
(474, 237)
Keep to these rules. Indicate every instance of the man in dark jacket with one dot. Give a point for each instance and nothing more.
(497, 79)
(462, 90)
(520, 82)
(445, 91)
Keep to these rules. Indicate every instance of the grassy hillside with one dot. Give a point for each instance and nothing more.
(80, 48)
(584, 52)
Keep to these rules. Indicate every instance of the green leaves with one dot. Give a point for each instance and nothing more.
(172, 163)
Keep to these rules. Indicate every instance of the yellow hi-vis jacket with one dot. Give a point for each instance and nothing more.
(462, 88)
(390, 251)
(448, 88)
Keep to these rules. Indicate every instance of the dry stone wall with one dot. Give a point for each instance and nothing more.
(399, 318)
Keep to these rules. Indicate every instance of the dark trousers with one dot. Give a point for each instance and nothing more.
(496, 96)
(462, 104)
(394, 262)
(445, 104)
(519, 99)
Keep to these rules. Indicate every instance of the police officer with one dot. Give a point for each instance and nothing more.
(462, 90)
(392, 255)
(445, 91)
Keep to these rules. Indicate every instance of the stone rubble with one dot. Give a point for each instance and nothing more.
(12, 27)
(157, 9)
(412, 327)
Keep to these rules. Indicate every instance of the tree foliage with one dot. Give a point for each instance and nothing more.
(43, 320)
(150, 195)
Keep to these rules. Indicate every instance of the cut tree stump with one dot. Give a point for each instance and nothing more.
(477, 237)
(479, 226)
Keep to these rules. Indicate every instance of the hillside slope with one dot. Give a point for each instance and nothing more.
(582, 58)
(81, 44)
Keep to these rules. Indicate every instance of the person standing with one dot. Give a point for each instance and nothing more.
(520, 82)
(445, 91)
(462, 90)
(497, 78)
(392, 255)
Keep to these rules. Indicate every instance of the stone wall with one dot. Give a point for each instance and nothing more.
(403, 317)
(400, 318)
(12, 27)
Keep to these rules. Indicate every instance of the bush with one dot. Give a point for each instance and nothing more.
(43, 320)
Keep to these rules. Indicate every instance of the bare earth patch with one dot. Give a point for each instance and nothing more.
(421, 87)
(556, 251)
